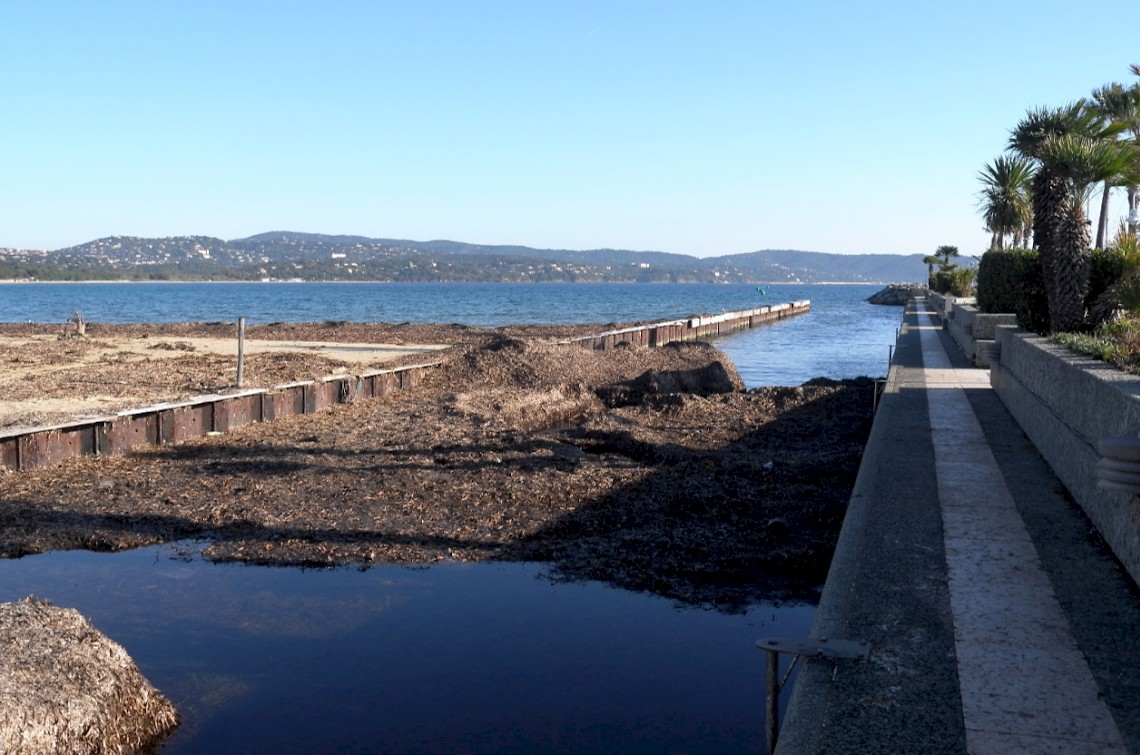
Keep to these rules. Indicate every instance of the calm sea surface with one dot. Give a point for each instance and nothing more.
(455, 657)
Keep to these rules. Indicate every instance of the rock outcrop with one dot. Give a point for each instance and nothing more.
(897, 294)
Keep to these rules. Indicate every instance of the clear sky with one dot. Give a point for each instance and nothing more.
(703, 128)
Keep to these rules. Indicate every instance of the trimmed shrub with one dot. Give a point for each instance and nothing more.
(1011, 280)
(940, 282)
(1000, 274)
(953, 281)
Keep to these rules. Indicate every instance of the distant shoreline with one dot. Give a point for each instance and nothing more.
(11, 282)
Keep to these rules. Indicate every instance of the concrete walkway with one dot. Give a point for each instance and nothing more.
(998, 621)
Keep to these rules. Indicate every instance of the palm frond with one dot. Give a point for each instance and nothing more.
(1041, 124)
(1083, 161)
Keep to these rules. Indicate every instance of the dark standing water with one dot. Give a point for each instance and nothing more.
(451, 658)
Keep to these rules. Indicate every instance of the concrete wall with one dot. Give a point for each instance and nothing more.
(943, 305)
(971, 329)
(1065, 403)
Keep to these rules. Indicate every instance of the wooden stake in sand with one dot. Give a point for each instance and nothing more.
(241, 351)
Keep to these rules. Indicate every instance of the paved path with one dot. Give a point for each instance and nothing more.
(998, 622)
(1024, 684)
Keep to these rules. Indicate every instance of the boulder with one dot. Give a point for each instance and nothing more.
(897, 294)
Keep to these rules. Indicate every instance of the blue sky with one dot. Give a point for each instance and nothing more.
(700, 128)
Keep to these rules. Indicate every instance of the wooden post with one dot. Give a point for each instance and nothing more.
(772, 702)
(241, 352)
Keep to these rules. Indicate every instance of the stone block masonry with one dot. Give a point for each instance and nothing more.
(1066, 402)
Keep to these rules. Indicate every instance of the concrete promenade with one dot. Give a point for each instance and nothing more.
(999, 622)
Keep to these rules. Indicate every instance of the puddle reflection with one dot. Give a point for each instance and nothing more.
(455, 657)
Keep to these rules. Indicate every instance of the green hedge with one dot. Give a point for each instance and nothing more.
(1011, 280)
(954, 281)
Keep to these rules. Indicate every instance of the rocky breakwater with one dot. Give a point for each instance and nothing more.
(897, 294)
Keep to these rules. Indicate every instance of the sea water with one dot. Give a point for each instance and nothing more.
(451, 657)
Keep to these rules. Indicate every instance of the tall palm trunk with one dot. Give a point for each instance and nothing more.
(1071, 265)
(1102, 224)
(1050, 199)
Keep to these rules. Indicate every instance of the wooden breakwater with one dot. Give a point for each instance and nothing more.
(176, 422)
(692, 328)
(170, 423)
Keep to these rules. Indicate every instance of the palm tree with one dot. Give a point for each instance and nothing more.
(1004, 200)
(941, 257)
(1119, 109)
(1064, 143)
(1077, 162)
(930, 261)
(944, 253)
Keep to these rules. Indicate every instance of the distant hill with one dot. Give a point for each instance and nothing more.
(281, 255)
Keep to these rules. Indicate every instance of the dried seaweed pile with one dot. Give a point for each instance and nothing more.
(52, 377)
(65, 687)
(648, 469)
(118, 381)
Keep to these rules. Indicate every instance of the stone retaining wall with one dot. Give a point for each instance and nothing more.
(1066, 402)
(972, 329)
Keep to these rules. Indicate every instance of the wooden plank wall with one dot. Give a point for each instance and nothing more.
(692, 328)
(177, 422)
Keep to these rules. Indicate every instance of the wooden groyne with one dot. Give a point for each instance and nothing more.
(692, 328)
(170, 423)
(176, 422)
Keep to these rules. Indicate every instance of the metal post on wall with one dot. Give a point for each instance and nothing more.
(799, 648)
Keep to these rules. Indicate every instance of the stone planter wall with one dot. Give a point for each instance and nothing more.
(971, 329)
(974, 330)
(1065, 403)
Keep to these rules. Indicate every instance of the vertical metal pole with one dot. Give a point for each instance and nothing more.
(772, 703)
(241, 351)
(891, 354)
